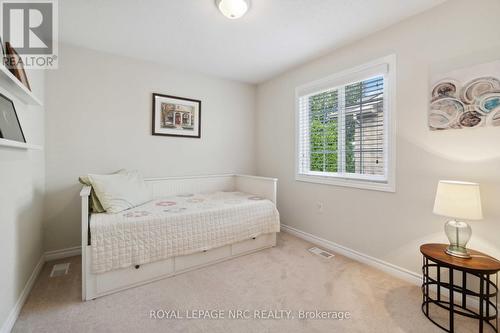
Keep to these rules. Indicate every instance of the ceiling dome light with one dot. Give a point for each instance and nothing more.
(233, 9)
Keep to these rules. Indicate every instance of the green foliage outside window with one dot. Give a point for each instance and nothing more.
(324, 145)
(323, 131)
(323, 111)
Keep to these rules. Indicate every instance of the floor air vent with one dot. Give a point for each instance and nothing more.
(322, 253)
(59, 269)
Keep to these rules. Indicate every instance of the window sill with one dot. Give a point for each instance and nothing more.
(346, 182)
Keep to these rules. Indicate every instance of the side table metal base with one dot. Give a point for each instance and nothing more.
(487, 296)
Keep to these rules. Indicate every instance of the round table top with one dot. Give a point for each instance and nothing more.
(480, 262)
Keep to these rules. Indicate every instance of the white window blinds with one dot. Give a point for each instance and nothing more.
(342, 129)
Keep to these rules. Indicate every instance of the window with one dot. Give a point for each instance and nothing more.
(346, 128)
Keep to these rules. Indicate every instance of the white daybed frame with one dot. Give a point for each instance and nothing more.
(96, 285)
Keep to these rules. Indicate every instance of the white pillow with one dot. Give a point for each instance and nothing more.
(121, 191)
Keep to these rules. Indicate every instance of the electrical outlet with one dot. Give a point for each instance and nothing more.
(319, 207)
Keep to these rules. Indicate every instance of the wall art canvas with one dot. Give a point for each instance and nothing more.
(176, 116)
(466, 98)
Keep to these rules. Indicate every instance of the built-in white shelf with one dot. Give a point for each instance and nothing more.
(18, 145)
(16, 88)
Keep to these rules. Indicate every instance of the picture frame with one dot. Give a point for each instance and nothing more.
(176, 116)
(10, 126)
(15, 65)
(2, 51)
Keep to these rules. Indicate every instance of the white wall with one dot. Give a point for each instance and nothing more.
(22, 185)
(99, 120)
(391, 226)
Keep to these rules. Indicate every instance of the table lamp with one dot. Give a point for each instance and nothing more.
(458, 200)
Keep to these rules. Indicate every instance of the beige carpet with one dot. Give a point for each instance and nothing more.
(286, 277)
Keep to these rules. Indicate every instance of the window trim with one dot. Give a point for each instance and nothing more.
(341, 78)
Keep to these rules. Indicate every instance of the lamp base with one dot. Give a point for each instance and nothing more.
(458, 251)
(458, 234)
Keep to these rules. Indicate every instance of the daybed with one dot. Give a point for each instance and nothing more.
(191, 222)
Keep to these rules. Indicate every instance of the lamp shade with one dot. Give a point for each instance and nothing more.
(459, 200)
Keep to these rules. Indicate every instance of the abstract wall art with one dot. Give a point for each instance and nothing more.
(466, 98)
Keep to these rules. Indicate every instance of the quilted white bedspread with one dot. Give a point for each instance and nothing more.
(178, 225)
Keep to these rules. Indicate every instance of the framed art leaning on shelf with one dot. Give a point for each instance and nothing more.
(10, 128)
(15, 64)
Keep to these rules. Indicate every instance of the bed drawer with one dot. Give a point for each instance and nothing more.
(120, 278)
(200, 258)
(266, 240)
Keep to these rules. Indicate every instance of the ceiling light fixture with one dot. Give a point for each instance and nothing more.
(233, 9)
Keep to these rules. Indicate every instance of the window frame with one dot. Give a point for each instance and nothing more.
(343, 78)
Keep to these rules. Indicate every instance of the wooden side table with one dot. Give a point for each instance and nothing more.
(480, 267)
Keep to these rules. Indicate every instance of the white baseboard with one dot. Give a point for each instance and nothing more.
(389, 268)
(47, 256)
(63, 253)
(14, 313)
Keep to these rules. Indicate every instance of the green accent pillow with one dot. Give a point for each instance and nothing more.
(95, 204)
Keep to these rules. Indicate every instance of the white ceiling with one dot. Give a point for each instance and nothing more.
(275, 35)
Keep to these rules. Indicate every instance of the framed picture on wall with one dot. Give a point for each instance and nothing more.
(176, 116)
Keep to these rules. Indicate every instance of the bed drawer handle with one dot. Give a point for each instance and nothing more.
(254, 237)
(137, 266)
(205, 251)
